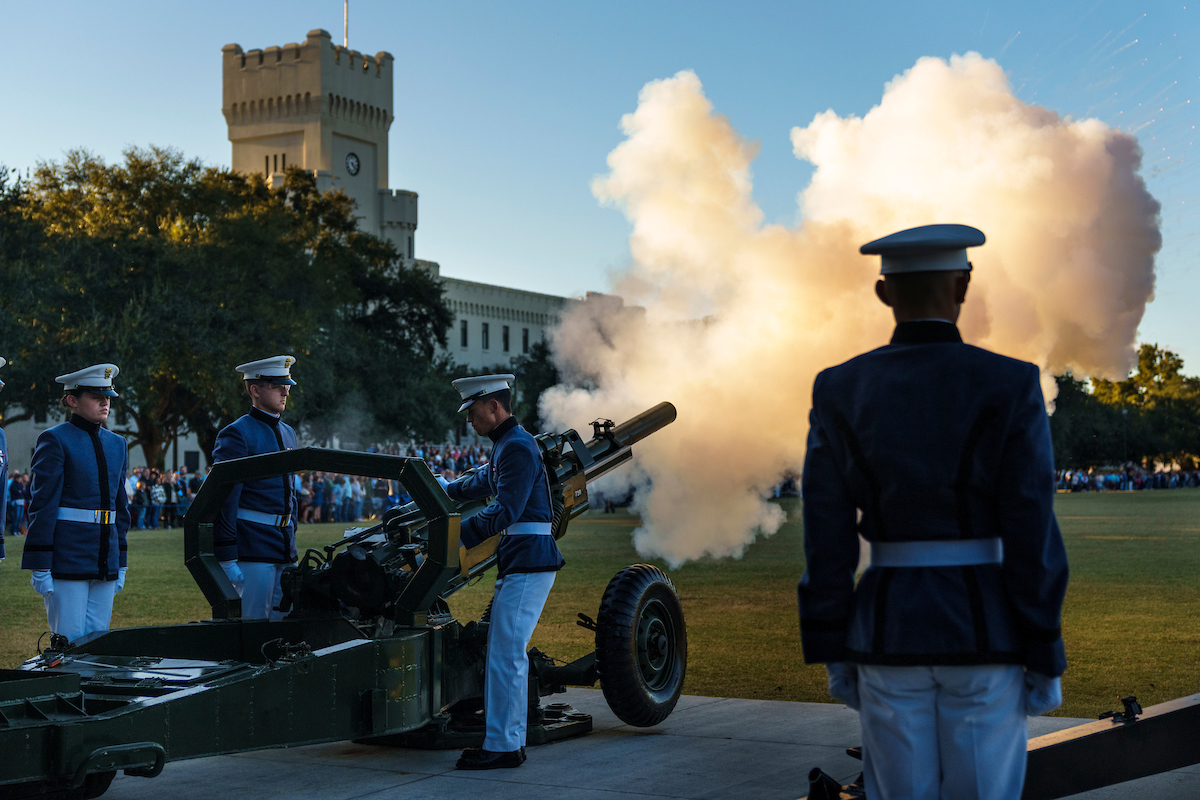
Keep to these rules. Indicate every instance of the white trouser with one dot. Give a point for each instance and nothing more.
(261, 591)
(77, 608)
(516, 606)
(943, 733)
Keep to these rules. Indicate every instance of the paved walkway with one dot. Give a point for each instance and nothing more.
(708, 748)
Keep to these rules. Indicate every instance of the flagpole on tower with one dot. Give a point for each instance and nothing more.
(346, 24)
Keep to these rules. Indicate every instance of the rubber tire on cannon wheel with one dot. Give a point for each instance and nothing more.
(641, 645)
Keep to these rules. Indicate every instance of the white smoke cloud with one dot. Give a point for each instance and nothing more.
(740, 316)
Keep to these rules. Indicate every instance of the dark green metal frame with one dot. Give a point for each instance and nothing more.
(441, 559)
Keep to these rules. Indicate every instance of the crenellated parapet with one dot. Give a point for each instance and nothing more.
(398, 208)
(313, 79)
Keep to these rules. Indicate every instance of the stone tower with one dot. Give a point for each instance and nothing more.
(325, 109)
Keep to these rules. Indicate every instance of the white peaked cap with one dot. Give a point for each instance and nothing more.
(2, 363)
(276, 369)
(473, 389)
(97, 379)
(929, 248)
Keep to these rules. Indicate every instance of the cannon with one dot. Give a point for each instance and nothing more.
(369, 650)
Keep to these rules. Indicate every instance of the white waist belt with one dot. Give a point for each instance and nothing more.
(278, 520)
(529, 529)
(949, 553)
(87, 515)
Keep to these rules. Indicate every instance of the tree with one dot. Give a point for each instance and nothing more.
(20, 242)
(1151, 416)
(178, 272)
(1085, 430)
(1165, 401)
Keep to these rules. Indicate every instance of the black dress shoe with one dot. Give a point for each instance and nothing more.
(478, 758)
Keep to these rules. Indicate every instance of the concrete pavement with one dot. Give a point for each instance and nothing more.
(708, 748)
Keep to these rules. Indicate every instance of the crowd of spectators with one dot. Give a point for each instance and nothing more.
(1125, 479)
(447, 460)
(159, 499)
(330, 497)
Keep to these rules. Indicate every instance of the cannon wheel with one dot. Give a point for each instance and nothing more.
(641, 645)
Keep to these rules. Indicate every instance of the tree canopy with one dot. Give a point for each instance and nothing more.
(1151, 416)
(177, 272)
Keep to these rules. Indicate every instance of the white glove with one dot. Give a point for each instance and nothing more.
(41, 582)
(234, 573)
(843, 682)
(121, 578)
(1042, 693)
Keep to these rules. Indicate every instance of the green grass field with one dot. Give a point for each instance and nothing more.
(1131, 622)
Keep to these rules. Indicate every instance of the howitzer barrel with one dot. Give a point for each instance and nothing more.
(634, 430)
(573, 461)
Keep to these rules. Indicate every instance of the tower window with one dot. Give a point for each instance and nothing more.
(462, 333)
(483, 334)
(276, 162)
(410, 247)
(284, 157)
(524, 340)
(504, 338)
(267, 165)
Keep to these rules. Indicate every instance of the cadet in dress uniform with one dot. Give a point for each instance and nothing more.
(527, 559)
(255, 536)
(79, 513)
(3, 480)
(939, 454)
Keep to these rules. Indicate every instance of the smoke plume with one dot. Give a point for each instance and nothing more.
(731, 319)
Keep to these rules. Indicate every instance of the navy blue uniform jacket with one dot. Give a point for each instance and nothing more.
(250, 435)
(515, 477)
(77, 464)
(931, 439)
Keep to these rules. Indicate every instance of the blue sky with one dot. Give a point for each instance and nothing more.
(506, 111)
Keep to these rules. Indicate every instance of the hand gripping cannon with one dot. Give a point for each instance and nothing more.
(369, 651)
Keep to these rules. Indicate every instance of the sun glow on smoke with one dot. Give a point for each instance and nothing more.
(736, 317)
